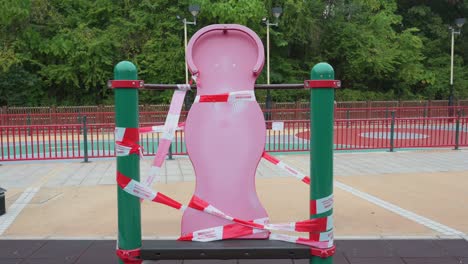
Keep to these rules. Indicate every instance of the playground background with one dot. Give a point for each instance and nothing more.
(82, 132)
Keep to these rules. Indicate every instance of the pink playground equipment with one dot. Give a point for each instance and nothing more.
(224, 219)
(225, 59)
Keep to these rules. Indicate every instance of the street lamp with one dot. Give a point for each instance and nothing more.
(276, 13)
(194, 10)
(459, 22)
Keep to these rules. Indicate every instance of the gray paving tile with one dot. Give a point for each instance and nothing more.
(163, 262)
(338, 258)
(101, 252)
(365, 248)
(456, 247)
(76, 173)
(416, 248)
(10, 261)
(67, 251)
(376, 260)
(265, 261)
(210, 261)
(431, 260)
(19, 248)
(48, 261)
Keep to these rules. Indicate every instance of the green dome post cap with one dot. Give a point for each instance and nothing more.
(125, 70)
(322, 71)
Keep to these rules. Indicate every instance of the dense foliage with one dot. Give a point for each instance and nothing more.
(62, 52)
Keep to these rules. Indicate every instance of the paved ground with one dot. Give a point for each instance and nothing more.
(378, 195)
(348, 252)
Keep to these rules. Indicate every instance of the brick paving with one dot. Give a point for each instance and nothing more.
(102, 171)
(18, 176)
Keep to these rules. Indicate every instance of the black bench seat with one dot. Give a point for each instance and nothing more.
(226, 249)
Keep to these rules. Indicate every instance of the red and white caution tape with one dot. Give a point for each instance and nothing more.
(145, 192)
(125, 142)
(321, 205)
(240, 228)
(318, 206)
(222, 232)
(168, 132)
(311, 225)
(230, 231)
(236, 230)
(126, 139)
(287, 168)
(159, 129)
(322, 240)
(226, 97)
(129, 255)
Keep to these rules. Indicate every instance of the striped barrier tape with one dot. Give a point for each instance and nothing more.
(226, 97)
(168, 132)
(242, 227)
(129, 255)
(231, 231)
(321, 242)
(228, 231)
(313, 225)
(285, 167)
(145, 192)
(125, 142)
(310, 225)
(321, 205)
(159, 129)
(318, 206)
(325, 240)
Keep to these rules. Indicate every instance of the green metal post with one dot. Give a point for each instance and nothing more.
(457, 131)
(28, 122)
(85, 139)
(392, 132)
(126, 115)
(169, 154)
(321, 142)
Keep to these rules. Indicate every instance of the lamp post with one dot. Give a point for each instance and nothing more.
(276, 13)
(459, 22)
(194, 10)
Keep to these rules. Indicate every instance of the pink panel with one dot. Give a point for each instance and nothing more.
(225, 141)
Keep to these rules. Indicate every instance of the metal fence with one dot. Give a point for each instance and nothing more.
(83, 141)
(275, 114)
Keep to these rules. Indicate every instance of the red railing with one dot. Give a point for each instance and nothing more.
(273, 114)
(406, 133)
(71, 141)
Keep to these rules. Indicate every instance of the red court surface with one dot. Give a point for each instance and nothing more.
(380, 137)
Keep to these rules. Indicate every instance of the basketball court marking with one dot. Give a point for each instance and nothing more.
(16, 208)
(436, 226)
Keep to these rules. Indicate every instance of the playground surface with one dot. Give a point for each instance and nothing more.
(401, 207)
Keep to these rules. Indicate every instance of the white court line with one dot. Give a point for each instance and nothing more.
(441, 228)
(7, 219)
